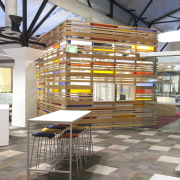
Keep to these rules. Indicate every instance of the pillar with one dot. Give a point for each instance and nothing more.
(24, 105)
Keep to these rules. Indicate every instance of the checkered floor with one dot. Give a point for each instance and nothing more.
(119, 154)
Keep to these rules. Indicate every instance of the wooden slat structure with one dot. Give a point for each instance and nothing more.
(92, 66)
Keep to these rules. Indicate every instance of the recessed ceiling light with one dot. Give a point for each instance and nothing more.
(172, 36)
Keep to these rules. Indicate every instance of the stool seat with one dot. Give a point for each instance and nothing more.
(56, 127)
(43, 134)
(67, 135)
(66, 125)
(50, 130)
(74, 131)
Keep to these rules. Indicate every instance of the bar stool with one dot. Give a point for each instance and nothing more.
(65, 150)
(57, 130)
(44, 146)
(87, 137)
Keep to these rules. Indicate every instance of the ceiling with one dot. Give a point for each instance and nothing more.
(161, 14)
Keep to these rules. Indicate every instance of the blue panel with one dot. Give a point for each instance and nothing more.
(145, 84)
(62, 83)
(139, 29)
(55, 72)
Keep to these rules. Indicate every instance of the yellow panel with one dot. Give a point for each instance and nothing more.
(105, 72)
(41, 91)
(80, 90)
(56, 61)
(45, 70)
(37, 74)
(55, 90)
(143, 47)
(111, 50)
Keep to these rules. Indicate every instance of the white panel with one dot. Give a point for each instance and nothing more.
(4, 127)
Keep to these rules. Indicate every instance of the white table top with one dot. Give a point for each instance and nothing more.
(61, 116)
(4, 106)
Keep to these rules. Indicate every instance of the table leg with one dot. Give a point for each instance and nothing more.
(91, 146)
(28, 171)
(70, 154)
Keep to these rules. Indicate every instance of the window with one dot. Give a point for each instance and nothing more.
(5, 80)
(125, 92)
(103, 92)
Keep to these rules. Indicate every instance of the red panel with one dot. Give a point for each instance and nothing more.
(144, 91)
(62, 63)
(56, 46)
(142, 73)
(103, 25)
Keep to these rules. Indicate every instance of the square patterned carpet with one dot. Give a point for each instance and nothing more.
(119, 154)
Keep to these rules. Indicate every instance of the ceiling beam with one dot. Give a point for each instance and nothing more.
(145, 9)
(111, 9)
(173, 17)
(24, 35)
(8, 42)
(167, 21)
(164, 16)
(130, 12)
(41, 8)
(19, 40)
(89, 3)
(42, 21)
(2, 5)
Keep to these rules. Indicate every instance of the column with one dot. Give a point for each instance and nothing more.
(24, 104)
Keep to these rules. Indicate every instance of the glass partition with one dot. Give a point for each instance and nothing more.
(125, 92)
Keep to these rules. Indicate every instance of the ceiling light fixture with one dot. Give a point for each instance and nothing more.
(172, 36)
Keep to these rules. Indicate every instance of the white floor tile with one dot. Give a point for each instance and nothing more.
(174, 136)
(13, 127)
(118, 147)
(10, 153)
(99, 169)
(178, 168)
(43, 166)
(176, 146)
(152, 140)
(148, 133)
(169, 159)
(135, 141)
(122, 136)
(160, 148)
(102, 132)
(20, 132)
(163, 177)
(93, 135)
(96, 140)
(18, 135)
(98, 148)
